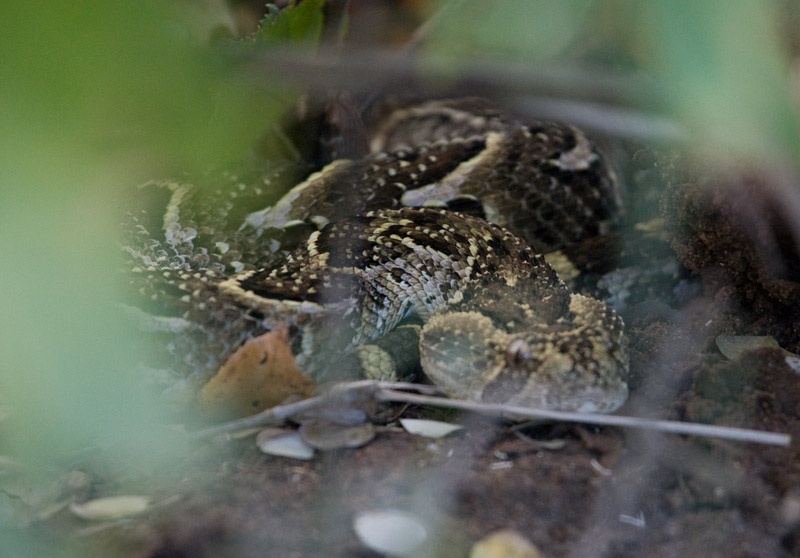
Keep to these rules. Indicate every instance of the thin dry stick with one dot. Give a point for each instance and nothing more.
(424, 31)
(341, 395)
(675, 427)
(389, 392)
(272, 416)
(406, 53)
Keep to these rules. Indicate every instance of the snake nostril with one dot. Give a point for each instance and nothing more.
(518, 352)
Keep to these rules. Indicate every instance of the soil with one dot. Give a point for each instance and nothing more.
(708, 250)
(571, 489)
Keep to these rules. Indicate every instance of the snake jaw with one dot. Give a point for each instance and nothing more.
(458, 352)
(573, 365)
(553, 379)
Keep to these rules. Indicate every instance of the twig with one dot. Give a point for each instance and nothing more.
(343, 394)
(286, 141)
(374, 67)
(339, 394)
(674, 427)
(424, 31)
(620, 122)
(274, 415)
(405, 55)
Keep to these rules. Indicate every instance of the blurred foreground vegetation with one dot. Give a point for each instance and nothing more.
(98, 96)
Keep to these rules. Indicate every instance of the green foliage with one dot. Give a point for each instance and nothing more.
(508, 29)
(297, 23)
(726, 73)
(97, 97)
(719, 69)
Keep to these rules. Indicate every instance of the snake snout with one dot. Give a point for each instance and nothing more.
(459, 352)
(569, 367)
(580, 377)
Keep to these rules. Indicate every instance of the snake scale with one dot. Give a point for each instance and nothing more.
(436, 231)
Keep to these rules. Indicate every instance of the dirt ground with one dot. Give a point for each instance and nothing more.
(572, 490)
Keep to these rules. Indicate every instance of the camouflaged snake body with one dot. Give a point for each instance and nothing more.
(402, 237)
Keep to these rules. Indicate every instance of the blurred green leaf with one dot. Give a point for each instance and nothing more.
(509, 29)
(97, 96)
(720, 69)
(122, 80)
(726, 72)
(297, 23)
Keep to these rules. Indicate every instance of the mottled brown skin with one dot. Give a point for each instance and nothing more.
(498, 323)
(544, 181)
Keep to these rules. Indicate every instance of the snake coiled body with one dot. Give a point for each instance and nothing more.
(402, 236)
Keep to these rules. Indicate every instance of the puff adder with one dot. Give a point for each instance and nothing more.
(497, 324)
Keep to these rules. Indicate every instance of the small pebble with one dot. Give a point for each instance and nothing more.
(108, 509)
(390, 532)
(325, 435)
(505, 543)
(285, 445)
(429, 428)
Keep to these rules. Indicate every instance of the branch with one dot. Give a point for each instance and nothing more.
(671, 426)
(343, 395)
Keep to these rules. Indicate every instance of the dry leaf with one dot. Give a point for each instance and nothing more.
(260, 374)
(734, 345)
(107, 509)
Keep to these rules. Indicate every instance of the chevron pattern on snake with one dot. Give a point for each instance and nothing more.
(498, 324)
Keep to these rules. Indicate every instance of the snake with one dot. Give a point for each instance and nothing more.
(424, 252)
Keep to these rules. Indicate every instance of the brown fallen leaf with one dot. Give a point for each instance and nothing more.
(260, 374)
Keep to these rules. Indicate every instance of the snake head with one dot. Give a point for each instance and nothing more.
(576, 363)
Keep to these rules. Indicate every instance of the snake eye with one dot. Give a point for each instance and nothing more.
(518, 352)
